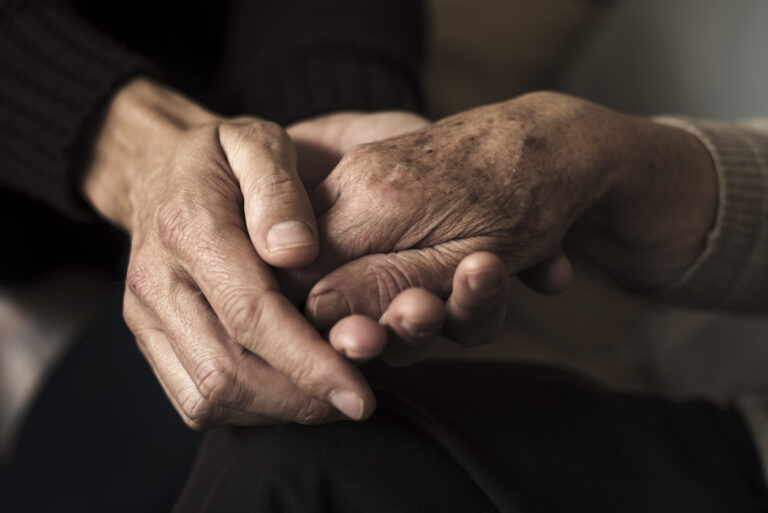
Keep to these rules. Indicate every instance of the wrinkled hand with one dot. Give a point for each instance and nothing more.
(513, 179)
(209, 203)
(416, 317)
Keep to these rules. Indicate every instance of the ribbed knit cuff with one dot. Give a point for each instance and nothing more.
(56, 72)
(290, 60)
(732, 271)
(296, 86)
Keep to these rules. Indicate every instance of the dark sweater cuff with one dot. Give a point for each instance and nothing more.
(56, 73)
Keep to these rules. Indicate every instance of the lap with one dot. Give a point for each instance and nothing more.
(496, 437)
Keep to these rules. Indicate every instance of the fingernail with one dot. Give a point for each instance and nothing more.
(348, 403)
(484, 283)
(289, 235)
(327, 308)
(417, 330)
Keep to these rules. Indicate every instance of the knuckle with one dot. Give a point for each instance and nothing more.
(268, 137)
(141, 283)
(357, 155)
(191, 424)
(307, 373)
(272, 133)
(172, 222)
(129, 316)
(312, 411)
(197, 411)
(390, 281)
(215, 383)
(276, 186)
(241, 313)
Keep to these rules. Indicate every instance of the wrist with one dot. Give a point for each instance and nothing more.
(654, 219)
(137, 130)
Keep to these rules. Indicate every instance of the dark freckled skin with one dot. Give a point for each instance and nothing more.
(504, 174)
(534, 143)
(513, 178)
(422, 140)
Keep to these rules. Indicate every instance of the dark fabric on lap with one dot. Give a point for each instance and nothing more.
(383, 465)
(548, 440)
(531, 438)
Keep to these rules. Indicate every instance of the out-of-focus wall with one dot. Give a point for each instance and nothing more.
(485, 51)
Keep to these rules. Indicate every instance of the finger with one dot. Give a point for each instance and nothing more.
(478, 301)
(367, 285)
(414, 319)
(172, 376)
(243, 293)
(227, 379)
(278, 213)
(321, 142)
(318, 145)
(552, 276)
(358, 337)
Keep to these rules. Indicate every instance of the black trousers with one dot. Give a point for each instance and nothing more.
(446, 437)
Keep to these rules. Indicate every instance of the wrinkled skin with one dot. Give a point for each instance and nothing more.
(514, 179)
(199, 196)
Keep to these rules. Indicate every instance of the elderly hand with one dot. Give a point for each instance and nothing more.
(511, 178)
(209, 204)
(416, 317)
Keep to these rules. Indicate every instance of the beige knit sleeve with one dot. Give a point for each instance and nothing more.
(732, 271)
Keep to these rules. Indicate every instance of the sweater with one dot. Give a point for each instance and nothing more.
(60, 62)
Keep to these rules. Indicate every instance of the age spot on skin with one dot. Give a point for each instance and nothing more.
(533, 143)
(422, 140)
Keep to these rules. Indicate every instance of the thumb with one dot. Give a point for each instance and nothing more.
(368, 285)
(278, 213)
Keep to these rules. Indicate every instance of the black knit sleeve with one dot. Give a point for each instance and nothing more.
(55, 72)
(291, 59)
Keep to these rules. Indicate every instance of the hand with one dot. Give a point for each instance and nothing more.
(512, 178)
(416, 317)
(208, 203)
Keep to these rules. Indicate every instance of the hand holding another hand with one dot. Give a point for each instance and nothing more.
(416, 317)
(518, 179)
(209, 204)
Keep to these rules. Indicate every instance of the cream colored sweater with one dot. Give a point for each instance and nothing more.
(732, 271)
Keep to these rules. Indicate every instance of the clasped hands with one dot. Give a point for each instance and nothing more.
(386, 225)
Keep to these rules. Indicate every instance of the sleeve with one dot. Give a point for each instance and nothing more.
(56, 71)
(732, 271)
(293, 59)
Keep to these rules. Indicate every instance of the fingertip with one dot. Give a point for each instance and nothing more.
(480, 277)
(415, 313)
(358, 337)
